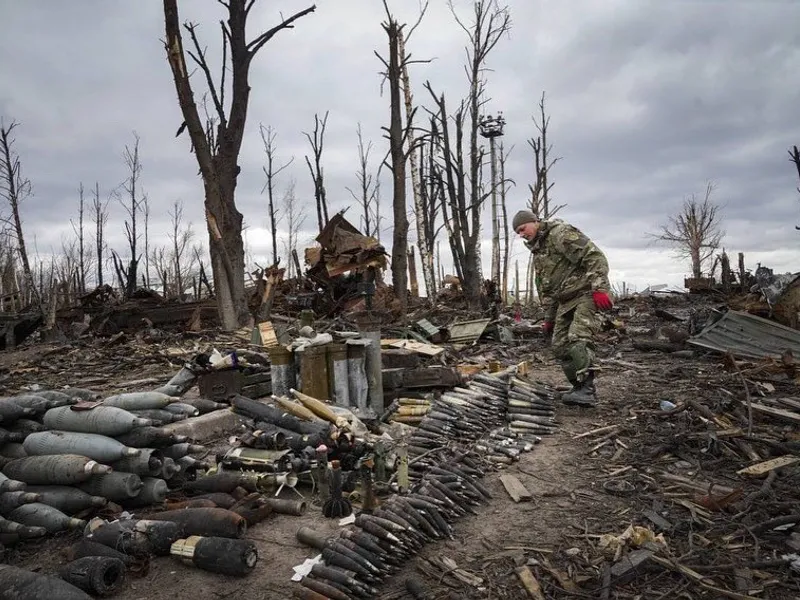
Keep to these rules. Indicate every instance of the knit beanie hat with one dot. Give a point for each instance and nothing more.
(522, 217)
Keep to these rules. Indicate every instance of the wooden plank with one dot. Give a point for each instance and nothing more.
(778, 413)
(769, 465)
(419, 347)
(267, 332)
(515, 489)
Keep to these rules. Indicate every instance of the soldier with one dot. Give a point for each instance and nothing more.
(572, 280)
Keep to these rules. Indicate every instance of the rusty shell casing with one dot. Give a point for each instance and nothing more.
(179, 408)
(21, 428)
(158, 416)
(139, 537)
(341, 588)
(101, 448)
(11, 500)
(204, 405)
(96, 575)
(21, 531)
(303, 593)
(11, 485)
(154, 491)
(86, 547)
(37, 514)
(218, 555)
(311, 537)
(116, 486)
(60, 398)
(150, 437)
(253, 508)
(328, 591)
(224, 482)
(105, 420)
(7, 436)
(10, 411)
(191, 503)
(220, 499)
(277, 416)
(64, 469)
(334, 558)
(21, 583)
(148, 462)
(176, 451)
(205, 522)
(81, 393)
(66, 498)
(284, 506)
(139, 400)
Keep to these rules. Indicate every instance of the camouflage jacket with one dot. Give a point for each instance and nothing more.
(567, 264)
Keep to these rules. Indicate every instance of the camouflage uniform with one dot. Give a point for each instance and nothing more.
(569, 267)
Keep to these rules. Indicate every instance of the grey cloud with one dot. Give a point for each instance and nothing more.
(649, 100)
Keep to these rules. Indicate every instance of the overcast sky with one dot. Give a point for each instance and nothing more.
(649, 100)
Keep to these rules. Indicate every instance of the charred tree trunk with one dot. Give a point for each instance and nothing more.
(317, 142)
(15, 189)
(217, 155)
(131, 157)
(504, 224)
(398, 167)
(423, 244)
(80, 232)
(100, 211)
(268, 137)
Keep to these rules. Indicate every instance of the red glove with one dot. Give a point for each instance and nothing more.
(547, 327)
(601, 300)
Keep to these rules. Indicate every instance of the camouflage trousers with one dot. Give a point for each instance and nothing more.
(577, 322)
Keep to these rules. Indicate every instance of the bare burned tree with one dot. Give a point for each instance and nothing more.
(694, 232)
(464, 190)
(131, 202)
(317, 141)
(503, 182)
(100, 217)
(146, 215)
(431, 197)
(396, 134)
(15, 188)
(794, 156)
(163, 265)
(268, 136)
(413, 143)
(295, 217)
(367, 192)
(543, 163)
(181, 237)
(80, 234)
(217, 155)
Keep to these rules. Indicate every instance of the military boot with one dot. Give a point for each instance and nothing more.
(582, 393)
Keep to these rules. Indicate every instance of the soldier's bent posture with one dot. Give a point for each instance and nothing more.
(572, 280)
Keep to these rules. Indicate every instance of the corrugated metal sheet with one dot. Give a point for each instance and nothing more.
(467, 331)
(748, 336)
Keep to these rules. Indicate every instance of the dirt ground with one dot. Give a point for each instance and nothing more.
(555, 534)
